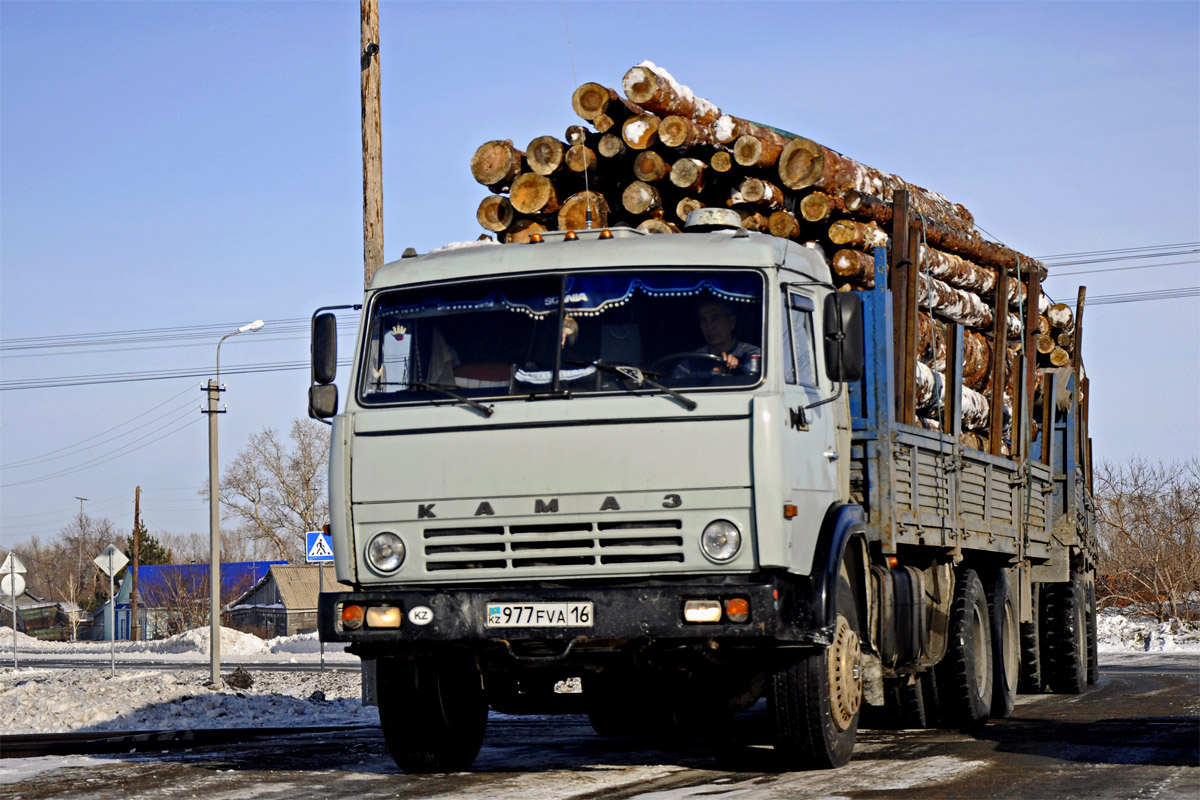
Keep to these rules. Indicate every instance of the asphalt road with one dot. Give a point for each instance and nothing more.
(1135, 735)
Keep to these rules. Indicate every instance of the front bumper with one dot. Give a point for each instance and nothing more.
(621, 613)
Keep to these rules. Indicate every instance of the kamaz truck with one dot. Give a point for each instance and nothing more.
(550, 495)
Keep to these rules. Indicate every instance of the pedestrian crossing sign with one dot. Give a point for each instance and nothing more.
(319, 547)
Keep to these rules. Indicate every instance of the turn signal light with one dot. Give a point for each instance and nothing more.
(790, 511)
(702, 611)
(383, 617)
(737, 610)
(892, 562)
(352, 617)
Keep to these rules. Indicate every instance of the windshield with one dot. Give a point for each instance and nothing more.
(685, 329)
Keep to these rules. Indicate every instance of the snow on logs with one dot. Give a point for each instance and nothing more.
(653, 156)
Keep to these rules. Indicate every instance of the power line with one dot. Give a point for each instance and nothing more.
(1118, 250)
(1120, 269)
(105, 458)
(54, 454)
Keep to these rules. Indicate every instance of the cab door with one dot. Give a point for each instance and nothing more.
(809, 447)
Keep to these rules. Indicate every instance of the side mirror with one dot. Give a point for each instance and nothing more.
(844, 353)
(322, 401)
(324, 349)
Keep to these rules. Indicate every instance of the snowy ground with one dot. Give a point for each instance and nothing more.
(37, 699)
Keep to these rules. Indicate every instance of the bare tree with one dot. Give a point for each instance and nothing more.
(276, 491)
(1149, 534)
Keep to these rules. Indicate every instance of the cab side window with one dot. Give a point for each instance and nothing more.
(799, 362)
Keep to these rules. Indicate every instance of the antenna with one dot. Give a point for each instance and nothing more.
(587, 205)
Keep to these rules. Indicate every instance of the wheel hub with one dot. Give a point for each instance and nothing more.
(845, 675)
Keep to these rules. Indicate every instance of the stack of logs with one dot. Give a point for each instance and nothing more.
(651, 157)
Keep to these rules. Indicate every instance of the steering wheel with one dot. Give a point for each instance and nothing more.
(673, 358)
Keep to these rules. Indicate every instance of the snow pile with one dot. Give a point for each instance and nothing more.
(35, 700)
(189, 646)
(1122, 630)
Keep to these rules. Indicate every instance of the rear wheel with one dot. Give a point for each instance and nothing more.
(433, 713)
(964, 675)
(1006, 647)
(1031, 650)
(815, 703)
(1064, 635)
(1093, 658)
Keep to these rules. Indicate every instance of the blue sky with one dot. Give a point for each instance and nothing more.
(172, 165)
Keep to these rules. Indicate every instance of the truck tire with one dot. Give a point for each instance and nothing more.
(1064, 636)
(1006, 645)
(433, 714)
(815, 703)
(905, 703)
(1093, 658)
(964, 675)
(1031, 649)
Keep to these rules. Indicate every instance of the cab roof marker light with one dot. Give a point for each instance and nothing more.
(606, 234)
(535, 238)
(571, 236)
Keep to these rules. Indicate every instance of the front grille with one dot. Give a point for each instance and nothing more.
(554, 546)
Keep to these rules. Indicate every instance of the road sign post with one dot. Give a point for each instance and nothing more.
(110, 562)
(13, 585)
(318, 549)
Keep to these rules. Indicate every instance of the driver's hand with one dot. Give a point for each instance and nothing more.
(731, 361)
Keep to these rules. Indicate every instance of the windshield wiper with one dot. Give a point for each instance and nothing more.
(433, 388)
(640, 379)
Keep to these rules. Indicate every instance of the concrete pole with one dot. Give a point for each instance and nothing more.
(214, 533)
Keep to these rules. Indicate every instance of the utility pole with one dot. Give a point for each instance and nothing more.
(372, 147)
(137, 541)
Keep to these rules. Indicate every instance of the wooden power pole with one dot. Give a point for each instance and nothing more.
(137, 542)
(371, 142)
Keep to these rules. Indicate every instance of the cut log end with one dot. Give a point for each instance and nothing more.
(610, 146)
(521, 230)
(496, 162)
(573, 214)
(721, 161)
(801, 163)
(686, 206)
(657, 226)
(688, 173)
(649, 166)
(816, 207)
(640, 197)
(495, 213)
(591, 100)
(784, 225)
(580, 158)
(545, 155)
(533, 194)
(641, 131)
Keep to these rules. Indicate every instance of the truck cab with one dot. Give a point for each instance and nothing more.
(605, 472)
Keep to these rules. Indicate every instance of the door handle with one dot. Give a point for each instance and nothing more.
(832, 455)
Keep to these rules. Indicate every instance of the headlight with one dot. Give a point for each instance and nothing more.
(721, 540)
(385, 552)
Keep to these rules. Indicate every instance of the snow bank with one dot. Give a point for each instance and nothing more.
(192, 645)
(1123, 630)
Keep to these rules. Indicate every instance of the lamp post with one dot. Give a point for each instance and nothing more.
(214, 531)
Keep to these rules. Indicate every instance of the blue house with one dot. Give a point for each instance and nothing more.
(174, 597)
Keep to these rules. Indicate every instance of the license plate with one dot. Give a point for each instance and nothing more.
(539, 615)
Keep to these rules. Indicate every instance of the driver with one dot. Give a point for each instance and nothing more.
(717, 324)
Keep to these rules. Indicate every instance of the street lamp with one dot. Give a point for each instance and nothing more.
(214, 531)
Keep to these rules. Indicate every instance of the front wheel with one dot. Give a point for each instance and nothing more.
(814, 704)
(433, 713)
